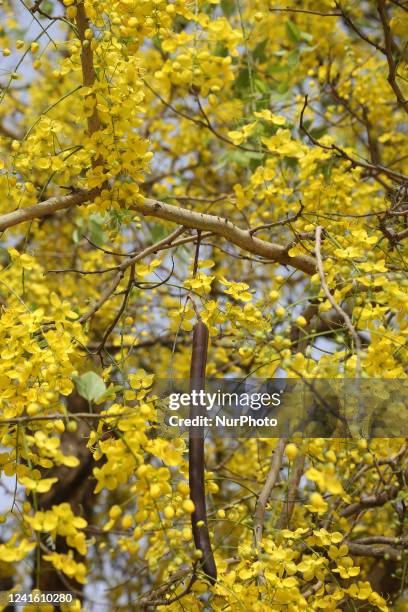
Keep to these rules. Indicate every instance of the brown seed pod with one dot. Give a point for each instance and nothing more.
(196, 454)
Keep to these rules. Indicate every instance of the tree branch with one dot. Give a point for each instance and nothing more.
(392, 66)
(223, 227)
(121, 269)
(88, 69)
(296, 474)
(357, 30)
(337, 308)
(370, 501)
(303, 11)
(377, 551)
(175, 214)
(43, 209)
(265, 494)
(339, 152)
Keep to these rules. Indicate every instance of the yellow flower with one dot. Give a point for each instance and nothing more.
(268, 116)
(10, 552)
(291, 451)
(66, 564)
(239, 291)
(39, 486)
(201, 282)
(188, 506)
(317, 504)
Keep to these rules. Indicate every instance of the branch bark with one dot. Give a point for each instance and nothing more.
(265, 494)
(376, 551)
(222, 227)
(196, 466)
(337, 308)
(87, 63)
(392, 65)
(43, 209)
(175, 214)
(292, 492)
(370, 501)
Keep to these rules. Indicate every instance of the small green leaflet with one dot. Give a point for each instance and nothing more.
(293, 32)
(90, 386)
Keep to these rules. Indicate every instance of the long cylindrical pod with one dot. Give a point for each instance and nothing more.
(196, 454)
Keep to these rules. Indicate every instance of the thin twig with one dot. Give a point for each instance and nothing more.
(303, 11)
(337, 308)
(205, 124)
(356, 29)
(68, 415)
(121, 310)
(123, 267)
(292, 492)
(104, 297)
(392, 66)
(291, 219)
(400, 4)
(339, 152)
(151, 600)
(271, 480)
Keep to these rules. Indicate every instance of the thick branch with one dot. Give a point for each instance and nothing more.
(43, 209)
(88, 70)
(175, 214)
(229, 231)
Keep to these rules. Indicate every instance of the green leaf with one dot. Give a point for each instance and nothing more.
(327, 170)
(307, 123)
(220, 50)
(293, 58)
(157, 231)
(279, 97)
(134, 293)
(291, 162)
(242, 81)
(318, 132)
(261, 86)
(283, 87)
(293, 32)
(90, 386)
(308, 49)
(277, 69)
(259, 54)
(117, 218)
(306, 36)
(95, 227)
(228, 7)
(47, 7)
(242, 158)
